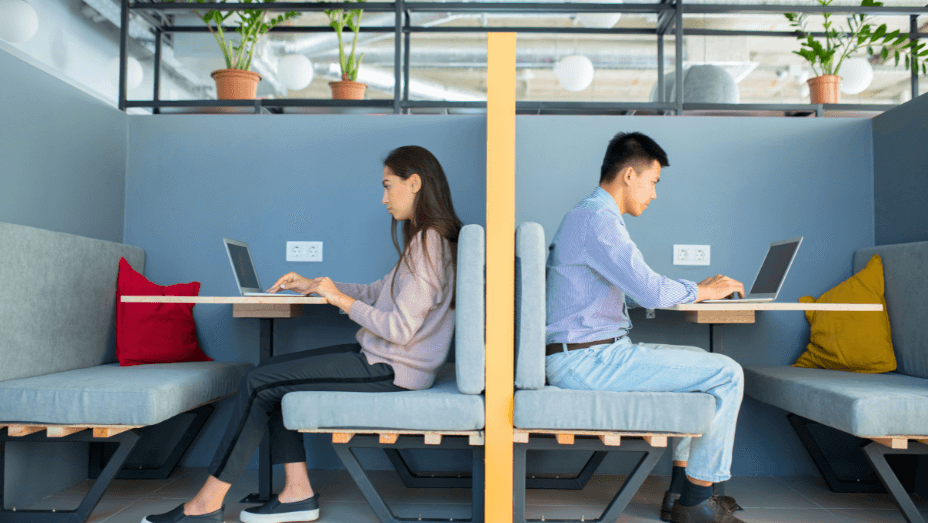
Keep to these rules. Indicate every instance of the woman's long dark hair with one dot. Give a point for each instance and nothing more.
(432, 207)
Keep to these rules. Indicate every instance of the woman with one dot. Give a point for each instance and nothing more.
(407, 320)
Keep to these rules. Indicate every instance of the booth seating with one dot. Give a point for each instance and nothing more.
(550, 418)
(59, 380)
(889, 408)
(449, 415)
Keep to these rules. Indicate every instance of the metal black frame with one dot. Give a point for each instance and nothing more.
(99, 455)
(421, 479)
(618, 503)
(670, 13)
(126, 441)
(876, 454)
(380, 508)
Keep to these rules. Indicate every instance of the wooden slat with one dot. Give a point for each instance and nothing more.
(565, 439)
(342, 437)
(656, 441)
(19, 431)
(109, 431)
(432, 438)
(611, 439)
(597, 433)
(60, 431)
(476, 438)
(519, 436)
(267, 310)
(893, 442)
(388, 438)
(719, 316)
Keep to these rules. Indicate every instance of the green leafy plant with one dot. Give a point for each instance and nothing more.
(338, 20)
(840, 44)
(252, 25)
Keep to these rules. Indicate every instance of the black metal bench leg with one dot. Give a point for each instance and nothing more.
(876, 454)
(126, 440)
(835, 484)
(163, 471)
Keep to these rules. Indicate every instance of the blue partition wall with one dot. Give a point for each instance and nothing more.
(194, 179)
(900, 173)
(736, 184)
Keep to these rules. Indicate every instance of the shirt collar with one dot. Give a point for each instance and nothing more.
(609, 203)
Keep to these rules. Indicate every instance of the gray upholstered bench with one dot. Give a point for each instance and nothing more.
(449, 415)
(890, 408)
(551, 418)
(58, 379)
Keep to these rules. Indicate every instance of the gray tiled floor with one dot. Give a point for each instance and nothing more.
(765, 499)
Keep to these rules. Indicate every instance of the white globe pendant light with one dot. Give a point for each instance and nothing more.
(574, 72)
(134, 73)
(18, 21)
(599, 20)
(295, 71)
(856, 74)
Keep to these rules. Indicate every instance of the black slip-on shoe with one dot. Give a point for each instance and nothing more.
(177, 516)
(276, 512)
(709, 511)
(669, 499)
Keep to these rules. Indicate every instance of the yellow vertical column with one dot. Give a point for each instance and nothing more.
(501, 170)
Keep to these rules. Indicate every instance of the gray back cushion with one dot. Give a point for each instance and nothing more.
(57, 300)
(469, 330)
(905, 271)
(530, 306)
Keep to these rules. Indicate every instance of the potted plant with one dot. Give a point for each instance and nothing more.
(237, 81)
(348, 88)
(826, 59)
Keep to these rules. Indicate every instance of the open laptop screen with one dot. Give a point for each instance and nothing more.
(247, 277)
(774, 268)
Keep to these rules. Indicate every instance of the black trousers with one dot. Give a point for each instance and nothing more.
(257, 404)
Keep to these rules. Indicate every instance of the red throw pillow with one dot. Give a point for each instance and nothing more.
(154, 332)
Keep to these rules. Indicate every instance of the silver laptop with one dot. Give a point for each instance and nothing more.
(772, 273)
(244, 270)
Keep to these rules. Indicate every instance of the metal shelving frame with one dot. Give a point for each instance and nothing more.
(669, 12)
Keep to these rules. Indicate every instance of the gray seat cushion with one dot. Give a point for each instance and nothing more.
(469, 329)
(865, 405)
(441, 407)
(555, 408)
(905, 271)
(114, 395)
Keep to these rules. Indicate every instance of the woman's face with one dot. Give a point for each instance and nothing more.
(399, 195)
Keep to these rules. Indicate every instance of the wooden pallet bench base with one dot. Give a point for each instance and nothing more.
(389, 436)
(899, 442)
(17, 430)
(610, 438)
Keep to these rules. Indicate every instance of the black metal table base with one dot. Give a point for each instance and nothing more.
(265, 469)
(126, 441)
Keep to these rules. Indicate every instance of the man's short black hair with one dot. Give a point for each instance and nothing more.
(630, 149)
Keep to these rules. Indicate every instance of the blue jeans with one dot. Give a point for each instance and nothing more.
(644, 367)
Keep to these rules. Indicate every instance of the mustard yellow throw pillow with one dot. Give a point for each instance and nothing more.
(851, 341)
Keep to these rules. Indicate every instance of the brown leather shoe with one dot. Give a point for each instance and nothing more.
(709, 511)
(669, 499)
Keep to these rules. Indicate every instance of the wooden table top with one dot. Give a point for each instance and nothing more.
(270, 300)
(776, 306)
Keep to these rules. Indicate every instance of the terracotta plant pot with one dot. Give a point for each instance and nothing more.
(347, 89)
(825, 89)
(236, 84)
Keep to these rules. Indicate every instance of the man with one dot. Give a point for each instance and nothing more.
(594, 272)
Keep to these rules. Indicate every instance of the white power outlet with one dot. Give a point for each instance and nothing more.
(691, 254)
(304, 251)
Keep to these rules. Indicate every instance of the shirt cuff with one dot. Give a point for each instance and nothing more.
(692, 291)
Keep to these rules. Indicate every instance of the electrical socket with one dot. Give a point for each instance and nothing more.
(691, 254)
(304, 251)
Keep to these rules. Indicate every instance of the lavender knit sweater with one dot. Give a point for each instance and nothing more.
(411, 332)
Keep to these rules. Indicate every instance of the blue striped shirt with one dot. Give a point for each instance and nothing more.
(595, 272)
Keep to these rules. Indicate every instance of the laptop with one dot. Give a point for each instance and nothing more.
(244, 270)
(772, 273)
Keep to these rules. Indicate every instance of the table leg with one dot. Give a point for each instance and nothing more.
(715, 337)
(265, 469)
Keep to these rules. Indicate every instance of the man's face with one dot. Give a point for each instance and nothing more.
(642, 188)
